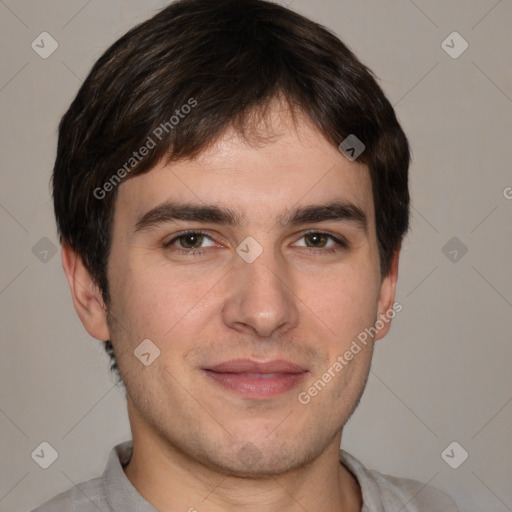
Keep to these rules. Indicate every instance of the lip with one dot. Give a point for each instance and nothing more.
(257, 380)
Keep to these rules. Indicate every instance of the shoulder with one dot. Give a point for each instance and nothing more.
(86, 496)
(412, 495)
(387, 493)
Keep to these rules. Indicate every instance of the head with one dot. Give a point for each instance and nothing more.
(226, 117)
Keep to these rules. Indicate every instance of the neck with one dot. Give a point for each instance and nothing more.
(171, 480)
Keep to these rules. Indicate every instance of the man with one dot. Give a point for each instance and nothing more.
(231, 194)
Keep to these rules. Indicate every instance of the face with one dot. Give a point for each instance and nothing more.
(251, 307)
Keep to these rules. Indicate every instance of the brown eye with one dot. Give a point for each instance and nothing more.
(317, 239)
(191, 241)
(318, 242)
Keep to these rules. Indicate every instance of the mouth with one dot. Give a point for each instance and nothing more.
(257, 380)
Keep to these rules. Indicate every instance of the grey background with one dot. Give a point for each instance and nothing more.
(441, 375)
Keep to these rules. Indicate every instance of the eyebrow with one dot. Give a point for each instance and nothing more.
(339, 211)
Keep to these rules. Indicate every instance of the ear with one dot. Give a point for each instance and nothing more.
(86, 295)
(387, 297)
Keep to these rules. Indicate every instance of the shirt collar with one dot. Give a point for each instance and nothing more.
(369, 487)
(119, 492)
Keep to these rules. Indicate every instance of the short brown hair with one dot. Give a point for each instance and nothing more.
(224, 60)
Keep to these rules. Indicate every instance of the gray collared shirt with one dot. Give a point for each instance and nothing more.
(113, 492)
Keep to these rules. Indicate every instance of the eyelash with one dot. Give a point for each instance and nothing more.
(341, 244)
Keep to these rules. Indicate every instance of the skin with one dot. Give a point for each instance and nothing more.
(294, 302)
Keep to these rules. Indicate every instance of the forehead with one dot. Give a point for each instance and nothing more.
(284, 164)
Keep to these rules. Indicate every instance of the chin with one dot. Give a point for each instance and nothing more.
(251, 460)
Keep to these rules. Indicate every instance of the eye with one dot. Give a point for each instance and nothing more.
(322, 242)
(189, 242)
(192, 243)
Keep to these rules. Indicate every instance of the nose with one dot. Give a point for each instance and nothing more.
(261, 297)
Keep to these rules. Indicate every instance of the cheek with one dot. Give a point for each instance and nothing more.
(157, 301)
(345, 302)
